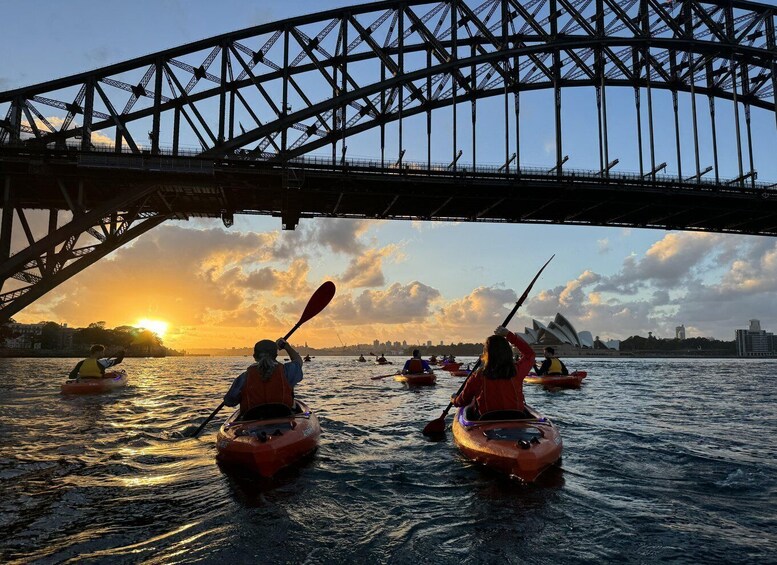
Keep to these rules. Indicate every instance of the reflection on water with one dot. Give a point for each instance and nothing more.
(663, 460)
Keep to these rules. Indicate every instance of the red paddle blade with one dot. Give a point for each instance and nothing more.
(435, 427)
(318, 301)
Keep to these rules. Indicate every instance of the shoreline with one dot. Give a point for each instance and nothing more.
(41, 354)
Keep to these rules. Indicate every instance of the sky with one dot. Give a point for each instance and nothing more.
(396, 280)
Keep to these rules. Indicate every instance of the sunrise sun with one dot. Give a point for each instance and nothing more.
(157, 326)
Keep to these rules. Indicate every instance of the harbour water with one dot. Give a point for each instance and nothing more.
(664, 461)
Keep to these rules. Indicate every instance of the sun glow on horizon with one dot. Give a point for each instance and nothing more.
(157, 326)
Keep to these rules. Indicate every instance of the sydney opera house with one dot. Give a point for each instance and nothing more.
(558, 332)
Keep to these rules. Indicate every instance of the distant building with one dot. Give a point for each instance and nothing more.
(429, 343)
(557, 332)
(24, 336)
(679, 332)
(30, 336)
(376, 344)
(755, 342)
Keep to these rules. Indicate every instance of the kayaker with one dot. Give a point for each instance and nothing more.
(433, 360)
(497, 385)
(415, 365)
(307, 358)
(361, 358)
(552, 365)
(381, 359)
(93, 367)
(266, 381)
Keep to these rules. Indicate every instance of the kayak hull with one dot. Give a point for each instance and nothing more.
(572, 380)
(522, 449)
(111, 381)
(459, 373)
(425, 379)
(451, 366)
(266, 446)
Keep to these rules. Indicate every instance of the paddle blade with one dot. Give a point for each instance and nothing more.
(320, 299)
(383, 376)
(435, 427)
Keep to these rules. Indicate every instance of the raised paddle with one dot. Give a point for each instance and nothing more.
(316, 304)
(437, 427)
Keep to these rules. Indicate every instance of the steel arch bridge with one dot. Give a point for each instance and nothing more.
(244, 123)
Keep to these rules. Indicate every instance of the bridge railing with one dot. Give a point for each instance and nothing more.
(190, 160)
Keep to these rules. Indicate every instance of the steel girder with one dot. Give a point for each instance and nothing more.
(284, 89)
(49, 261)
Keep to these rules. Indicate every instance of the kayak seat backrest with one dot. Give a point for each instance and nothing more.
(266, 412)
(507, 415)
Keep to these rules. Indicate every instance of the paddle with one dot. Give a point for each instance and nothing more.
(384, 376)
(437, 427)
(316, 304)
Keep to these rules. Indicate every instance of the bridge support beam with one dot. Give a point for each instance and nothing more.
(54, 258)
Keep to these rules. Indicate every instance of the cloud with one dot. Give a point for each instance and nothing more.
(366, 270)
(480, 311)
(603, 245)
(668, 263)
(397, 304)
(282, 283)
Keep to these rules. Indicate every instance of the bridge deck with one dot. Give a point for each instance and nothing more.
(312, 187)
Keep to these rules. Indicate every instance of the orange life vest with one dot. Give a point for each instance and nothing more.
(501, 394)
(415, 367)
(256, 392)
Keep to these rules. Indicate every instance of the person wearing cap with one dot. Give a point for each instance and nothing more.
(266, 381)
(416, 365)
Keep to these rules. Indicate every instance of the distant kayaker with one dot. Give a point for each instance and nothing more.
(361, 358)
(552, 365)
(93, 367)
(267, 381)
(307, 358)
(381, 359)
(415, 365)
(497, 385)
(433, 360)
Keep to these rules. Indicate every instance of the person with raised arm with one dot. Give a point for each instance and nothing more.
(497, 385)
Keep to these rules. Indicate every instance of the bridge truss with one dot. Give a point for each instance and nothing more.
(237, 124)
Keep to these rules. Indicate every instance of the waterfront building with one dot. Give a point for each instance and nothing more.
(558, 331)
(755, 342)
(679, 332)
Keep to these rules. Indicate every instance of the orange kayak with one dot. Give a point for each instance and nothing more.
(451, 366)
(417, 380)
(266, 446)
(93, 385)
(521, 448)
(571, 380)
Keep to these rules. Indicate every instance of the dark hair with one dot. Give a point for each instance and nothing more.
(96, 348)
(416, 353)
(498, 360)
(550, 350)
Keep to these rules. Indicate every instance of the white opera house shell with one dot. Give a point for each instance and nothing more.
(557, 332)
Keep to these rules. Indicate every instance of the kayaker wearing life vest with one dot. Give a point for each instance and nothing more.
(93, 367)
(498, 384)
(267, 381)
(552, 365)
(416, 365)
